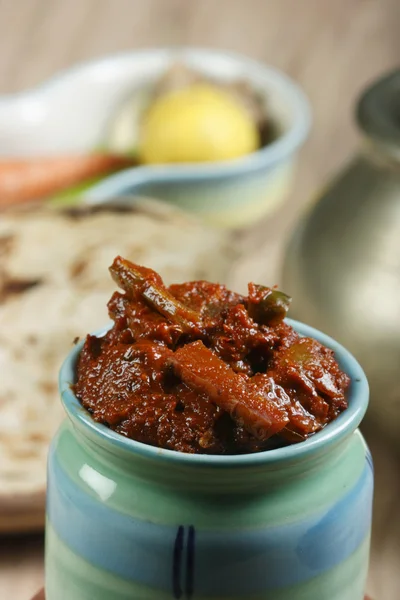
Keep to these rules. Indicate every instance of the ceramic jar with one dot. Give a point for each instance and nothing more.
(129, 521)
(342, 262)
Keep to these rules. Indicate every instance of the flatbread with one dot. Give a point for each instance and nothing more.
(54, 287)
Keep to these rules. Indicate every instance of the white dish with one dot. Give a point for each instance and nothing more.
(72, 113)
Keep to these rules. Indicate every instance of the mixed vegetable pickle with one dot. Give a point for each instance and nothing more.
(197, 368)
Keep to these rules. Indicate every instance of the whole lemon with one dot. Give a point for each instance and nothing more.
(199, 123)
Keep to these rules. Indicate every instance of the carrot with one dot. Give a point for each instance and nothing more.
(34, 179)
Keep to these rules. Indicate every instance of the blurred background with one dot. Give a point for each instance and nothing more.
(332, 50)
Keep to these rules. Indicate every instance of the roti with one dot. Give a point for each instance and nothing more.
(54, 287)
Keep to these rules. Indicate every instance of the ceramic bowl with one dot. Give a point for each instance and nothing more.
(126, 520)
(71, 113)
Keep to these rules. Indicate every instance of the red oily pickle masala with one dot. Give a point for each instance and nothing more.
(196, 368)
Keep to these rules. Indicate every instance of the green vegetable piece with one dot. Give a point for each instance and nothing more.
(147, 284)
(267, 306)
(73, 195)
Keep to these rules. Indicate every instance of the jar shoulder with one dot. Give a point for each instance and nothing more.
(295, 494)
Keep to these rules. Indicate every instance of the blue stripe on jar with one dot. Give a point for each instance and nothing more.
(236, 563)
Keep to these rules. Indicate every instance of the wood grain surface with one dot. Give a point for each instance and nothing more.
(333, 49)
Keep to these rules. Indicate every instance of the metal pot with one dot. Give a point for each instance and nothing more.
(342, 264)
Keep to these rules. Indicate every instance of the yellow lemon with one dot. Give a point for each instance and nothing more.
(199, 123)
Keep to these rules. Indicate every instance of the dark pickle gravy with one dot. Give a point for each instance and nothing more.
(196, 368)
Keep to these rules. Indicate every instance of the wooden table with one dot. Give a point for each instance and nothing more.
(333, 49)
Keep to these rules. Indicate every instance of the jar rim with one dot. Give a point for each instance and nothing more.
(346, 423)
(378, 111)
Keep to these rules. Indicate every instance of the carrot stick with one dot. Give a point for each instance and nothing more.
(37, 178)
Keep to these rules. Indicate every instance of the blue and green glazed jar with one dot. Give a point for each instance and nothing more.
(126, 521)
